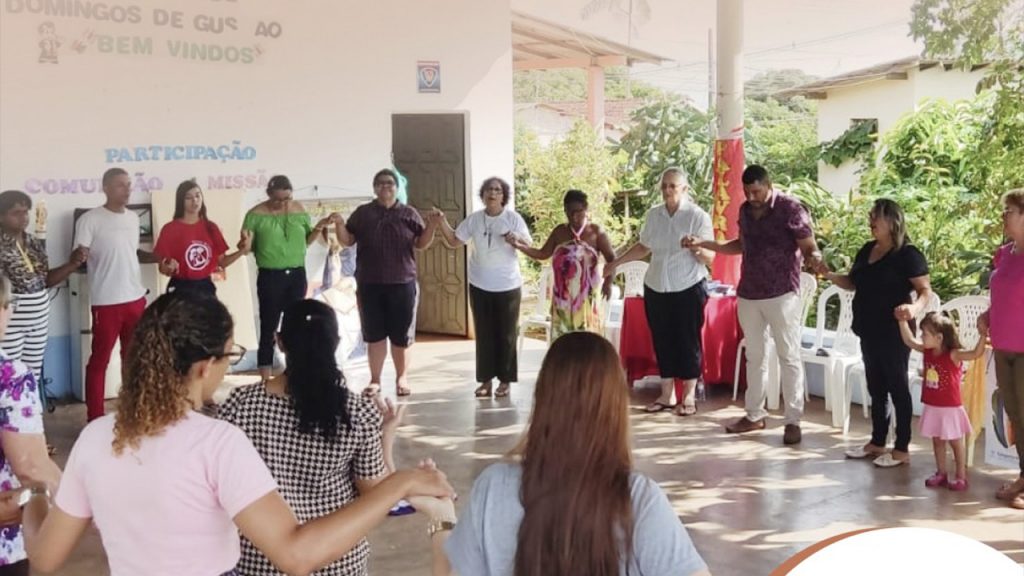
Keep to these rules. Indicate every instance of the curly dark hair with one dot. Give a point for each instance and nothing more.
(176, 331)
(309, 335)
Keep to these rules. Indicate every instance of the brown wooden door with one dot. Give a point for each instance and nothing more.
(429, 150)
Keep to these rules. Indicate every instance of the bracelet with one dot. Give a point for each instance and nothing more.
(438, 525)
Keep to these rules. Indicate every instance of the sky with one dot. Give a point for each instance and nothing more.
(820, 37)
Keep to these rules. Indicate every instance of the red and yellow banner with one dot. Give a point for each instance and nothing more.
(728, 196)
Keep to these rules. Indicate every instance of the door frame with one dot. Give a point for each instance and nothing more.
(468, 206)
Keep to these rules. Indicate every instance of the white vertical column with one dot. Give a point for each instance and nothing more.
(729, 101)
(595, 99)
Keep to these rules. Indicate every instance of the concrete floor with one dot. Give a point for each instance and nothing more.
(748, 502)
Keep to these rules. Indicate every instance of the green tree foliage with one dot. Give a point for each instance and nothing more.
(666, 132)
(579, 161)
(782, 137)
(767, 84)
(991, 33)
(570, 84)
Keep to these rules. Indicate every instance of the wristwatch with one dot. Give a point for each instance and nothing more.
(27, 494)
(440, 525)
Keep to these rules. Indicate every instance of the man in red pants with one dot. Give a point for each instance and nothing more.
(110, 236)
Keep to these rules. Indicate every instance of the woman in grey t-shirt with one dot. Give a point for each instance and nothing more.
(569, 501)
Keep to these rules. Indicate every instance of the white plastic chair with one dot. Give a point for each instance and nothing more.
(634, 273)
(808, 288)
(541, 316)
(614, 312)
(844, 353)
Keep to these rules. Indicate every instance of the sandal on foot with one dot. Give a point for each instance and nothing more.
(887, 460)
(483, 391)
(958, 485)
(861, 452)
(402, 390)
(372, 389)
(937, 480)
(686, 410)
(657, 406)
(1010, 490)
(502, 390)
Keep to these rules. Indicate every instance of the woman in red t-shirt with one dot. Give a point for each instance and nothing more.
(191, 247)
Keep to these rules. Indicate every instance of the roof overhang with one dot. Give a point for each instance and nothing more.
(539, 44)
(895, 70)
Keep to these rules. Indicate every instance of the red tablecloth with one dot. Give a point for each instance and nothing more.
(720, 337)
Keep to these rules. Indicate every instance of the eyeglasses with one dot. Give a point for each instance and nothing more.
(384, 184)
(235, 355)
(494, 189)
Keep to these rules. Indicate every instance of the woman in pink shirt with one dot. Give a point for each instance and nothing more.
(170, 489)
(1005, 318)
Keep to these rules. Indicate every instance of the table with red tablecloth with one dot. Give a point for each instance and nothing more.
(720, 337)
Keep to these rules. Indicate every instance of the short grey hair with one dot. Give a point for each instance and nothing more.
(675, 171)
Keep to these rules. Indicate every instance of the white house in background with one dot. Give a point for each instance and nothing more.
(552, 121)
(882, 94)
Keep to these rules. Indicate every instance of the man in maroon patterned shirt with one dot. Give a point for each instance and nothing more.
(775, 237)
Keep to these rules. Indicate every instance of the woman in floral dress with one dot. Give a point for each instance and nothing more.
(23, 457)
(575, 249)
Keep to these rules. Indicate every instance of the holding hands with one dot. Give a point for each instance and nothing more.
(515, 241)
(245, 242)
(435, 217)
(904, 313)
(168, 266)
(79, 255)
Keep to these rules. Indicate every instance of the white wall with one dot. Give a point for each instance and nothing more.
(888, 101)
(314, 103)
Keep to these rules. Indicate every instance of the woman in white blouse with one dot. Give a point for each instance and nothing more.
(495, 284)
(674, 288)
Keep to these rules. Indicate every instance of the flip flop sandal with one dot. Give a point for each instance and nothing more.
(403, 508)
(685, 410)
(402, 390)
(483, 391)
(372, 389)
(502, 391)
(657, 406)
(859, 453)
(887, 461)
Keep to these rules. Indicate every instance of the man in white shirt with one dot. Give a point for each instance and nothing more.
(110, 237)
(674, 288)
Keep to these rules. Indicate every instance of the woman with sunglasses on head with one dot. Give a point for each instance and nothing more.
(24, 262)
(191, 247)
(388, 233)
(281, 230)
(568, 500)
(495, 283)
(325, 446)
(23, 457)
(171, 489)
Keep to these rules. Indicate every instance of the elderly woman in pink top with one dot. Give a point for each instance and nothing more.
(1005, 318)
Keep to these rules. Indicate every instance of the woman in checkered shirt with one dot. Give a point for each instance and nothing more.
(324, 445)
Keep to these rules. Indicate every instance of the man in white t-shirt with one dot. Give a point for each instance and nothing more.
(110, 236)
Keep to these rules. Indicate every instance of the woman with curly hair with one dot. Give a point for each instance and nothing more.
(322, 443)
(170, 489)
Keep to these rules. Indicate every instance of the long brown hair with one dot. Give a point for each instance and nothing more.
(576, 464)
(176, 331)
(943, 326)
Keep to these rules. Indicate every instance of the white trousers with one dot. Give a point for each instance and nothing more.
(778, 318)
